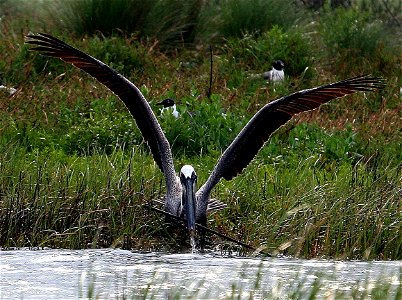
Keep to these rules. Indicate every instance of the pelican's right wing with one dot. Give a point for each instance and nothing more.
(275, 114)
(118, 84)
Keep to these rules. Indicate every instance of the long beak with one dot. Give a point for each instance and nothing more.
(189, 199)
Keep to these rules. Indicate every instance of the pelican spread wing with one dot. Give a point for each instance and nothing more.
(184, 201)
(275, 114)
(118, 84)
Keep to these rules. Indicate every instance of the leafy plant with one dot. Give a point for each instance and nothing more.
(238, 17)
(291, 46)
(88, 17)
(350, 33)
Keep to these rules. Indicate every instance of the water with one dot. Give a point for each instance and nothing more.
(115, 274)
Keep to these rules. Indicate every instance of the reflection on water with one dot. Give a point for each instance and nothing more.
(113, 273)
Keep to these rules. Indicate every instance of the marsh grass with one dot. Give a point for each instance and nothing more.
(302, 196)
(88, 17)
(300, 207)
(159, 20)
(301, 287)
(59, 200)
(74, 171)
(234, 18)
(352, 33)
(256, 54)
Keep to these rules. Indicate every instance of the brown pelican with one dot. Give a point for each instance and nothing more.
(276, 73)
(182, 198)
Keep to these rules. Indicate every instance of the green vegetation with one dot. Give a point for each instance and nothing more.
(74, 171)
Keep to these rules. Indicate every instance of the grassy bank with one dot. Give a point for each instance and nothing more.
(74, 171)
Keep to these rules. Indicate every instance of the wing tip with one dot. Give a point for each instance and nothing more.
(372, 82)
(33, 37)
(44, 42)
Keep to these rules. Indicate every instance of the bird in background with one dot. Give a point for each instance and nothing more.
(182, 198)
(10, 90)
(276, 73)
(170, 106)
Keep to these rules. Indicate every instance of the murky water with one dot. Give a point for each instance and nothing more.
(112, 274)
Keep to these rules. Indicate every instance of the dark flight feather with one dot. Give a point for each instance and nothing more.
(123, 88)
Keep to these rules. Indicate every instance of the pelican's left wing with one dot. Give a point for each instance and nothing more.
(275, 114)
(118, 84)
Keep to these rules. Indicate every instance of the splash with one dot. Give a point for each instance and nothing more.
(193, 244)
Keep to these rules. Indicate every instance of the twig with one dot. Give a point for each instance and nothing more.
(210, 74)
(211, 231)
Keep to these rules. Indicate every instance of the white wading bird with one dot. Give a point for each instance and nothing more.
(182, 198)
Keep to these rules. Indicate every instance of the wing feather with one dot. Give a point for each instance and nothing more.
(118, 84)
(275, 114)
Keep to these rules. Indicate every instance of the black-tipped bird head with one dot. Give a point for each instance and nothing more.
(278, 65)
(168, 102)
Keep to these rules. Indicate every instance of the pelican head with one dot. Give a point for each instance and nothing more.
(188, 180)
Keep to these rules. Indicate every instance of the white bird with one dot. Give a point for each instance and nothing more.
(182, 198)
(10, 90)
(169, 105)
(276, 73)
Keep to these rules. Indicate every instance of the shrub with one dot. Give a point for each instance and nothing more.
(87, 17)
(291, 46)
(173, 23)
(124, 55)
(358, 40)
(103, 126)
(237, 17)
(389, 11)
(168, 22)
(203, 127)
